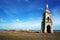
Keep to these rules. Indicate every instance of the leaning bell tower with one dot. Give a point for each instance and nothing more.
(46, 25)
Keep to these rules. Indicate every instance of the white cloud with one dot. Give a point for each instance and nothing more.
(40, 8)
(2, 20)
(18, 24)
(56, 16)
(17, 20)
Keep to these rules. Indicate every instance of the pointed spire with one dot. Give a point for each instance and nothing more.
(46, 6)
(47, 10)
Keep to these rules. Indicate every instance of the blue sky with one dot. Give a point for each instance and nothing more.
(27, 14)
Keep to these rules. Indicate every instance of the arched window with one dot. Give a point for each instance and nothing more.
(48, 18)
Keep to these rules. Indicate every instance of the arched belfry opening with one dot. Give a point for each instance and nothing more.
(48, 18)
(46, 25)
(48, 29)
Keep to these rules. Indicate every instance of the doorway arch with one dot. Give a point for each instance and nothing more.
(48, 29)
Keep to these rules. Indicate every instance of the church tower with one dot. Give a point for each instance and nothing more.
(46, 25)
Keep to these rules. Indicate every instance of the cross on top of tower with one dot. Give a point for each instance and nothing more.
(47, 10)
(46, 6)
